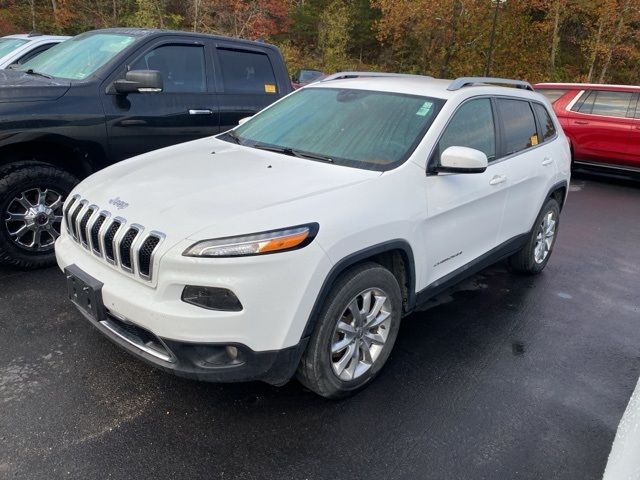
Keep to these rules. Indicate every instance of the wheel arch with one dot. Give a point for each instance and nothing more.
(55, 150)
(559, 192)
(395, 255)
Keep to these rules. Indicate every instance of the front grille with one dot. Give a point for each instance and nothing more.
(67, 217)
(146, 251)
(74, 217)
(108, 240)
(125, 248)
(83, 226)
(95, 239)
(129, 250)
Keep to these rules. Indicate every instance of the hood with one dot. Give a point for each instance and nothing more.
(187, 188)
(17, 86)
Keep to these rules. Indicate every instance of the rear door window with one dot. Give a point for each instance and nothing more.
(246, 72)
(605, 103)
(182, 67)
(552, 94)
(548, 127)
(518, 125)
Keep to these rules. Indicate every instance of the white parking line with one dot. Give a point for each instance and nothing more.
(624, 459)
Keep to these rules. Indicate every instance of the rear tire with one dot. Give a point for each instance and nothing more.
(357, 327)
(534, 256)
(31, 197)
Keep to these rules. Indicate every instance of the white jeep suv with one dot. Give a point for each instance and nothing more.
(297, 241)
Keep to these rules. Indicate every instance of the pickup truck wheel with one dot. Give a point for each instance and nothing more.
(355, 333)
(31, 198)
(533, 257)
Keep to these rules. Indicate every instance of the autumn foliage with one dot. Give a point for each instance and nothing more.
(554, 40)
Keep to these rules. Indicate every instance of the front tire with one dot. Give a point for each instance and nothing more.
(31, 198)
(355, 333)
(534, 256)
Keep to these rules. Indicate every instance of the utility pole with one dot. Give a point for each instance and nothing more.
(498, 4)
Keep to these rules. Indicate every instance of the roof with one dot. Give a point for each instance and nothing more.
(585, 86)
(37, 37)
(147, 32)
(418, 85)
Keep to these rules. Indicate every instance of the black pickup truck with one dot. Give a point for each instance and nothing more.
(107, 95)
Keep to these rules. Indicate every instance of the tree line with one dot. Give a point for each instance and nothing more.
(537, 40)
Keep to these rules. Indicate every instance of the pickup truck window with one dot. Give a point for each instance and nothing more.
(246, 72)
(356, 128)
(181, 66)
(78, 57)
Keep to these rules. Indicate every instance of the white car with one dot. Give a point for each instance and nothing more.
(296, 242)
(22, 47)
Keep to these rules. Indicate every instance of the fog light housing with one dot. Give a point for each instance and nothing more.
(211, 298)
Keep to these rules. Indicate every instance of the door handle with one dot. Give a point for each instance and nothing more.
(498, 179)
(581, 122)
(195, 111)
(547, 161)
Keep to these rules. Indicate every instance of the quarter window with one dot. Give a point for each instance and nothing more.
(181, 67)
(552, 94)
(548, 128)
(518, 125)
(246, 72)
(603, 102)
(471, 126)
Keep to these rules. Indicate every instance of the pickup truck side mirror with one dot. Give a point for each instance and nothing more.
(462, 160)
(139, 81)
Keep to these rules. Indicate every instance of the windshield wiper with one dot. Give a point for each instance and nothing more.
(31, 71)
(233, 136)
(294, 153)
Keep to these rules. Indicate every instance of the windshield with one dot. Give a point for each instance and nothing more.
(358, 128)
(78, 57)
(8, 45)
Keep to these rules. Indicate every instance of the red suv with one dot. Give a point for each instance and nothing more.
(601, 121)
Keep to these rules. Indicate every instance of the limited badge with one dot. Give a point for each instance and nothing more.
(269, 88)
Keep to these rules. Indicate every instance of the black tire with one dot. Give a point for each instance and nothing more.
(524, 261)
(19, 177)
(315, 370)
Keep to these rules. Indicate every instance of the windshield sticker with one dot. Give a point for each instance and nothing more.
(269, 88)
(424, 109)
(534, 140)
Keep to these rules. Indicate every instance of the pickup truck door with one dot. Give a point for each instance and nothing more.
(246, 81)
(186, 109)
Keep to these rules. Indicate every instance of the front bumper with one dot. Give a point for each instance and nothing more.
(201, 361)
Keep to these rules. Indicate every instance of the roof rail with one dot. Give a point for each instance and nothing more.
(461, 82)
(341, 75)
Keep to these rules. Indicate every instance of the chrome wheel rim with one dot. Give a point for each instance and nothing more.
(360, 334)
(544, 237)
(33, 219)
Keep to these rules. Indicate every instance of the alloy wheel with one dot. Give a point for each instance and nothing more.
(544, 237)
(360, 334)
(33, 219)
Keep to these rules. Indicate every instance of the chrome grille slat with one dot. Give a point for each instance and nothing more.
(124, 246)
(83, 233)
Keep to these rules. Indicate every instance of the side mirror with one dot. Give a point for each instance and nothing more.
(139, 81)
(244, 120)
(462, 160)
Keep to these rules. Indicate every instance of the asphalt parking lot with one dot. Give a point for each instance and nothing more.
(504, 377)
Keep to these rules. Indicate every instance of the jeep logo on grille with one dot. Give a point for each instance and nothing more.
(119, 204)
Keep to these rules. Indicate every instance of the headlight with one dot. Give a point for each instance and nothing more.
(273, 241)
